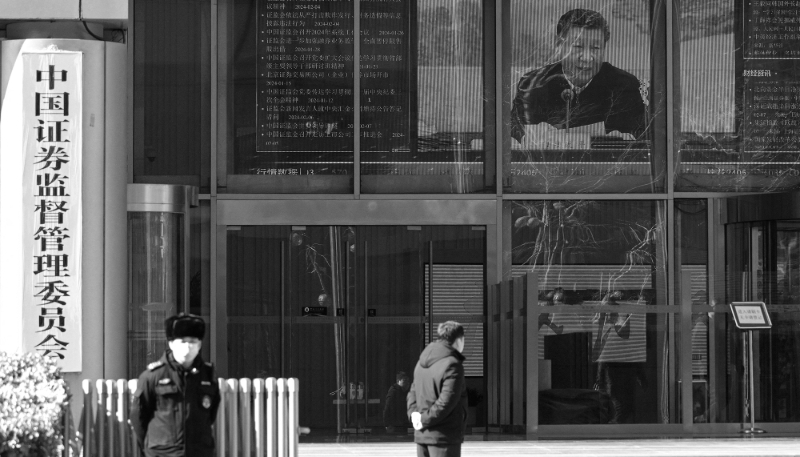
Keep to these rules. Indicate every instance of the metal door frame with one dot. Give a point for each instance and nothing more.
(232, 213)
(739, 209)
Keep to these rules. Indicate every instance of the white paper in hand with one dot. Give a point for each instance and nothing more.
(416, 420)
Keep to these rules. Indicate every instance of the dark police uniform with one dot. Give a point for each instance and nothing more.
(173, 409)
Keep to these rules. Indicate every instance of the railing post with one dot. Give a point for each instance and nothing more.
(282, 425)
(292, 419)
(245, 392)
(233, 415)
(86, 426)
(221, 425)
(100, 415)
(123, 432)
(66, 423)
(258, 416)
(111, 406)
(133, 384)
(271, 387)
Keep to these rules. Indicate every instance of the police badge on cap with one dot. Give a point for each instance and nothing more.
(185, 325)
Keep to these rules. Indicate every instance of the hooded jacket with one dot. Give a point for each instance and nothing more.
(439, 394)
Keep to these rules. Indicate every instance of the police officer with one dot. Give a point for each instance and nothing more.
(177, 397)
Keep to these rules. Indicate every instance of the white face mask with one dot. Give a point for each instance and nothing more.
(184, 350)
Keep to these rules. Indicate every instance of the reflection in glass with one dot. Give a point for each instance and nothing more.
(605, 245)
(581, 106)
(748, 272)
(762, 265)
(701, 374)
(294, 101)
(155, 278)
(254, 297)
(435, 142)
(737, 131)
(315, 303)
(598, 361)
(787, 271)
(171, 88)
(289, 69)
(779, 371)
(721, 390)
(600, 264)
(200, 268)
(691, 251)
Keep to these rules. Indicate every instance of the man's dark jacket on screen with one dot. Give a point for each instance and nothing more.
(613, 97)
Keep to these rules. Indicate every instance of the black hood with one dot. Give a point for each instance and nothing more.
(437, 351)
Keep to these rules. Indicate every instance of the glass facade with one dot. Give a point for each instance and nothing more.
(312, 302)
(600, 266)
(737, 97)
(343, 147)
(763, 267)
(172, 93)
(154, 264)
(585, 105)
(310, 107)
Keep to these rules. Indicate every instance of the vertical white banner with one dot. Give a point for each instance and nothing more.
(52, 92)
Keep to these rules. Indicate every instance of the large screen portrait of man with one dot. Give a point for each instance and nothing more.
(578, 93)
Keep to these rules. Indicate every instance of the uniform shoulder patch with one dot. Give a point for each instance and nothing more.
(155, 365)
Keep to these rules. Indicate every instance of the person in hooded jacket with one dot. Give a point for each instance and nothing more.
(437, 400)
(177, 397)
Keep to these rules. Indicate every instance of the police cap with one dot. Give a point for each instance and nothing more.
(185, 325)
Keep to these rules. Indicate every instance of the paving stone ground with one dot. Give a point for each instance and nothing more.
(746, 446)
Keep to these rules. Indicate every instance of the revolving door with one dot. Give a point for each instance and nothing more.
(763, 264)
(158, 261)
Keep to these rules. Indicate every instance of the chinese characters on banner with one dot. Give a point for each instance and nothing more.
(52, 180)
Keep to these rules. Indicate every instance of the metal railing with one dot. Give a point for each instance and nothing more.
(257, 418)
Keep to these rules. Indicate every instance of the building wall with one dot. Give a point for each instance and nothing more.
(90, 10)
(636, 223)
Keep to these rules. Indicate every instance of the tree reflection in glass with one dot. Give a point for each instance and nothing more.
(598, 263)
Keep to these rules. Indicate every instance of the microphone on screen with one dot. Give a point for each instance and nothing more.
(567, 95)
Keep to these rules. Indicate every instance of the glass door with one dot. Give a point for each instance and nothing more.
(347, 310)
(318, 298)
(764, 265)
(386, 321)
